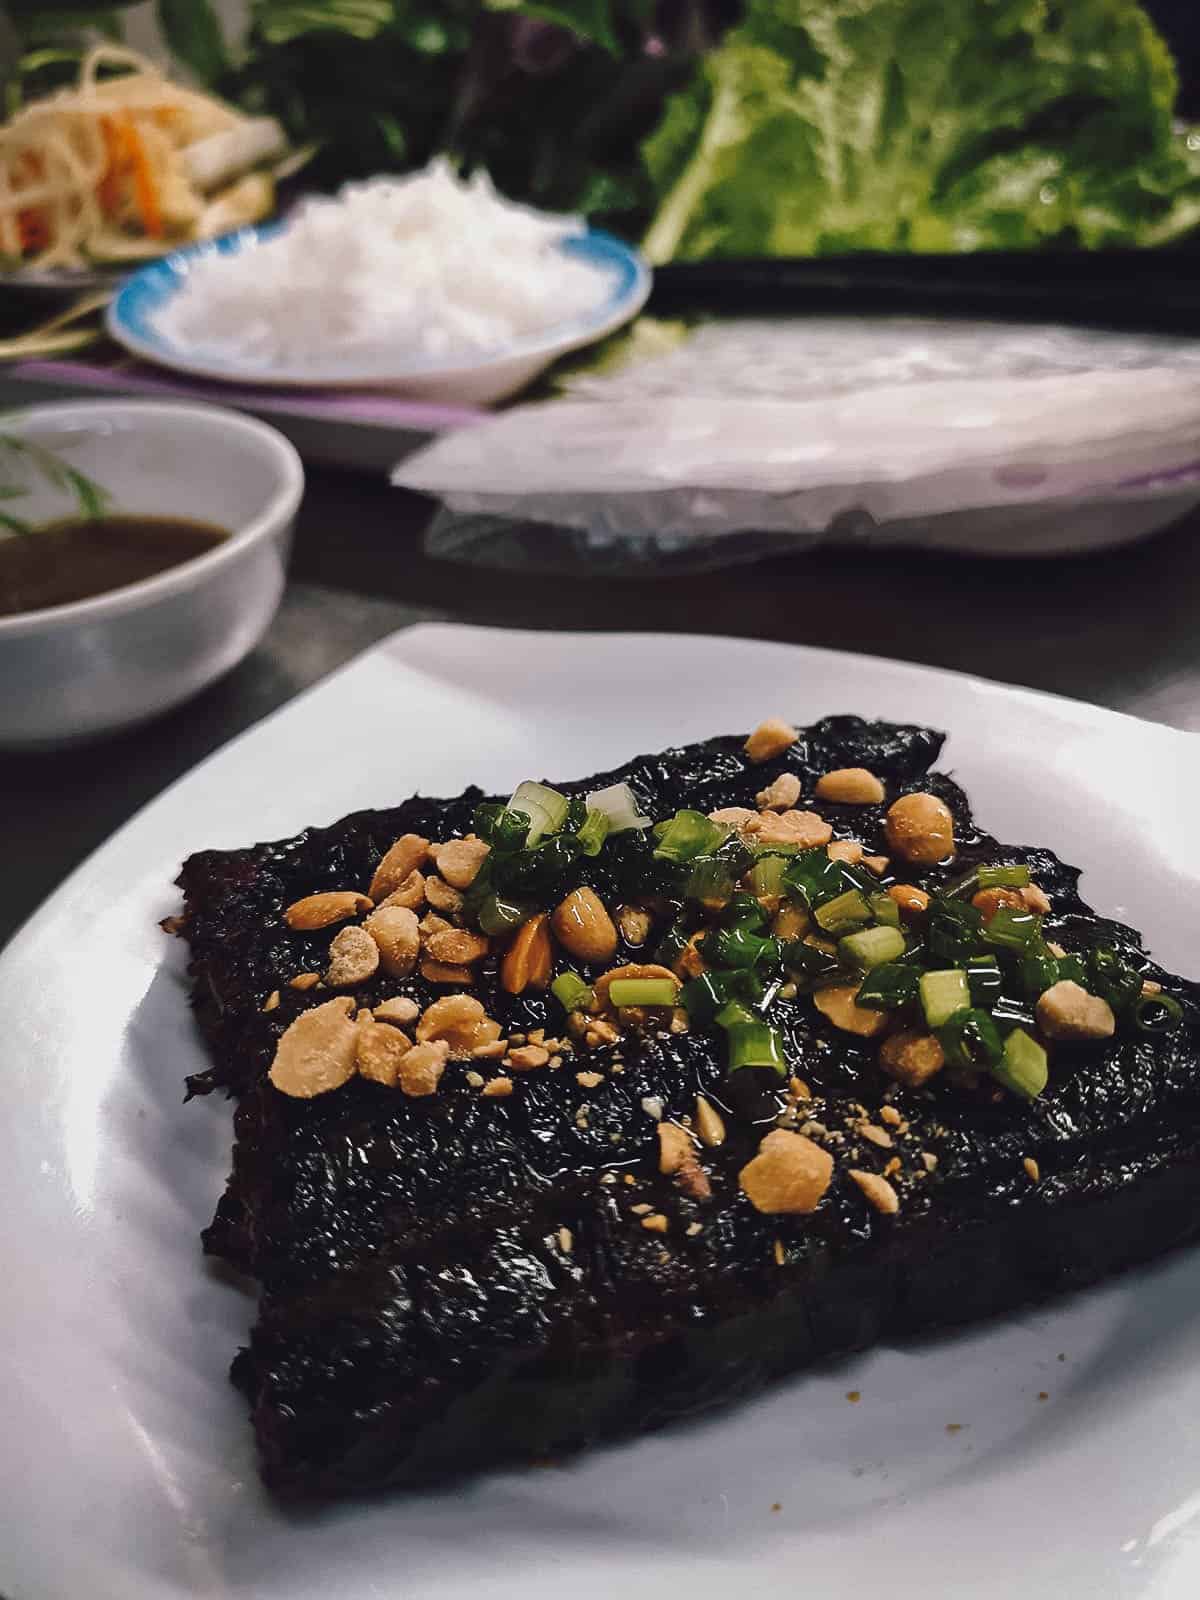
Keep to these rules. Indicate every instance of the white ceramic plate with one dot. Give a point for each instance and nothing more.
(126, 1470)
(622, 285)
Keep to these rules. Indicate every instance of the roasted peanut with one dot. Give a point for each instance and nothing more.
(848, 850)
(497, 1089)
(353, 958)
(789, 1174)
(771, 738)
(780, 795)
(805, 829)
(584, 928)
(876, 864)
(878, 1191)
(1068, 1011)
(988, 901)
(379, 1051)
(461, 1022)
(408, 853)
(442, 897)
(710, 1124)
(447, 972)
(674, 1147)
(837, 1003)
(528, 1057)
(420, 1069)
(913, 902)
(528, 959)
(792, 921)
(912, 1058)
(460, 860)
(635, 924)
(411, 893)
(316, 1052)
(399, 1011)
(1035, 899)
(397, 933)
(322, 910)
(920, 828)
(457, 945)
(304, 981)
(850, 786)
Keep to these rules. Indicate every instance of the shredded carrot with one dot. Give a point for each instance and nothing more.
(108, 192)
(143, 183)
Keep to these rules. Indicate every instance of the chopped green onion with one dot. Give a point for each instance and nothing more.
(1012, 930)
(738, 947)
(808, 961)
(1072, 967)
(671, 946)
(766, 875)
(1023, 1068)
(1010, 1013)
(643, 992)
(744, 912)
(571, 992)
(497, 914)
(755, 1044)
(701, 998)
(689, 834)
(711, 878)
(1003, 877)
(502, 828)
(953, 930)
(596, 828)
(1157, 1013)
(942, 994)
(888, 987)
(619, 804)
(814, 878)
(971, 1039)
(985, 981)
(1039, 971)
(733, 1014)
(872, 947)
(967, 883)
(884, 909)
(847, 911)
(545, 807)
(1112, 978)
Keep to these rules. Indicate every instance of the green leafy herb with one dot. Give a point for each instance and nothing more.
(823, 126)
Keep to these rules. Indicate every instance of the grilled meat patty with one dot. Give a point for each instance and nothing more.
(453, 1281)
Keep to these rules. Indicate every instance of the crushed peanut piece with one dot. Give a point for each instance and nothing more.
(837, 1002)
(850, 786)
(476, 1080)
(798, 1089)
(929, 1160)
(911, 1057)
(459, 861)
(554, 1063)
(421, 1067)
(848, 850)
(630, 1179)
(1150, 988)
(674, 1147)
(780, 1254)
(566, 1241)
(443, 972)
(641, 1210)
(1068, 1011)
(497, 1089)
(432, 923)
(529, 1057)
(710, 1125)
(693, 1228)
(353, 958)
(891, 1116)
(442, 897)
(877, 1190)
(876, 1136)
(410, 894)
(399, 1010)
(876, 864)
(271, 1003)
(1032, 1170)
(589, 1080)
(634, 924)
(652, 1106)
(304, 980)
(1036, 899)
(396, 931)
(459, 1020)
(529, 958)
(656, 1223)
(316, 1052)
(601, 1033)
(804, 829)
(321, 910)
(892, 1166)
(788, 1175)
(380, 1050)
(780, 795)
(408, 853)
(491, 1051)
(459, 946)
(771, 738)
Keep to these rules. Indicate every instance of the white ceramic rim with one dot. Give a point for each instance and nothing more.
(278, 509)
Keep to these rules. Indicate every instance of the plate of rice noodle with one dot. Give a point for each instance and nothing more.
(123, 166)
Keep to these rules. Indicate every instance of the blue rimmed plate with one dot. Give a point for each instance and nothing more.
(622, 284)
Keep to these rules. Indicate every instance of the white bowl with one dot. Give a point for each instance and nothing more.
(623, 282)
(73, 671)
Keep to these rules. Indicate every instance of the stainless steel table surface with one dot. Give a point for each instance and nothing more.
(1120, 630)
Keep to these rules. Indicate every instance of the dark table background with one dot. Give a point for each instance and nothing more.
(1120, 630)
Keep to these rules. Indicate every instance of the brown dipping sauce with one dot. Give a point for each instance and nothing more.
(84, 556)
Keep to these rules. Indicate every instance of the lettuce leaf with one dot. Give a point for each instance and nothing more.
(822, 126)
